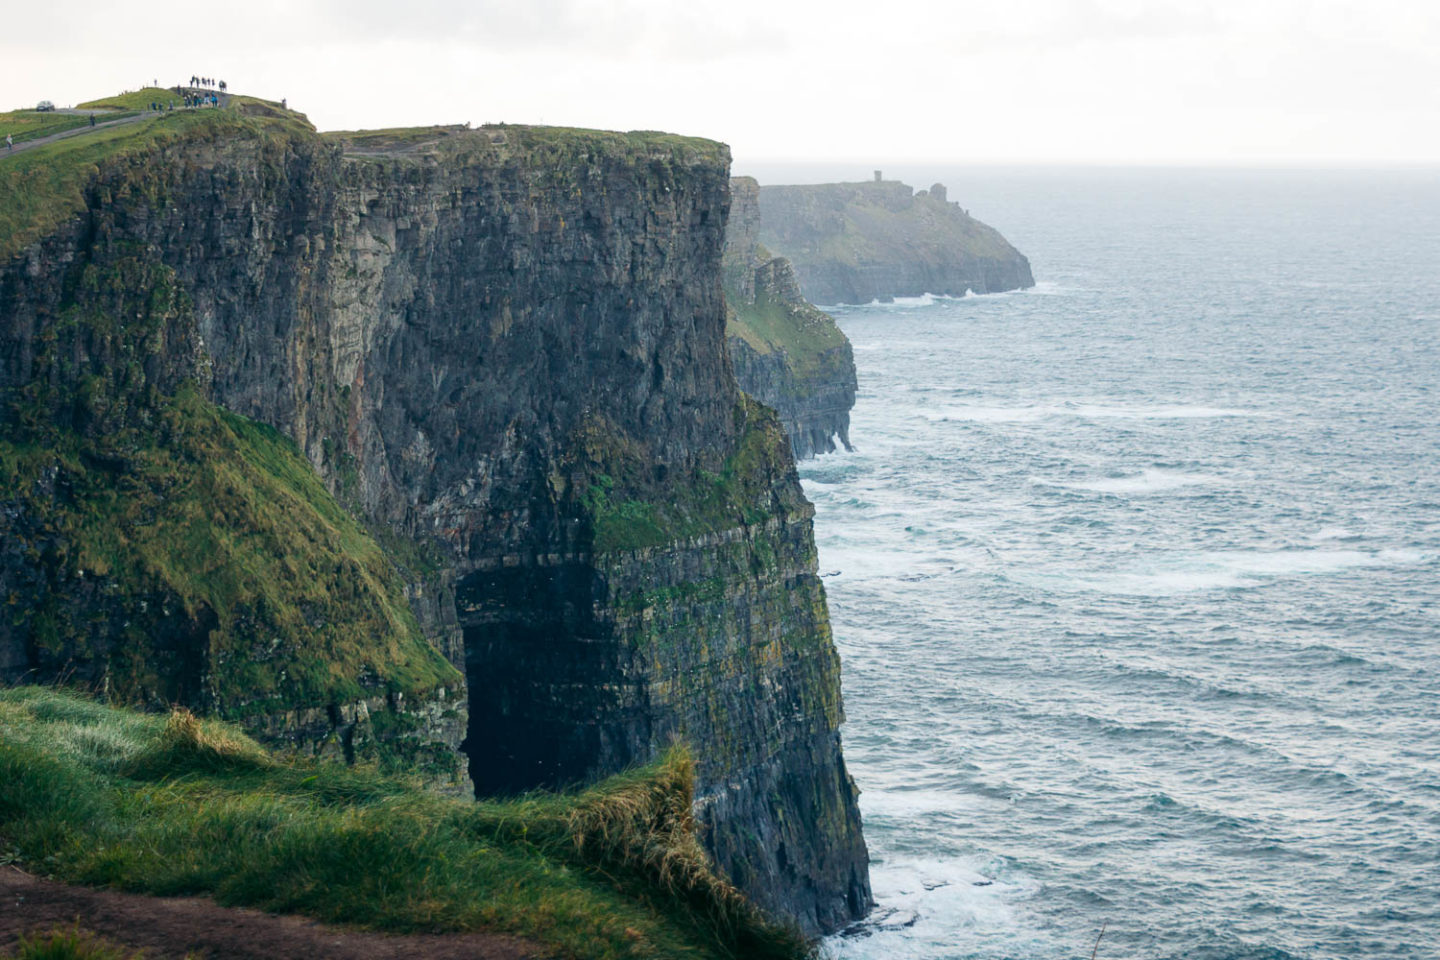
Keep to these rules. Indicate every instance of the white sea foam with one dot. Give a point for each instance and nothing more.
(979, 414)
(893, 802)
(901, 303)
(1097, 411)
(930, 903)
(852, 561)
(1082, 411)
(1222, 570)
(1043, 288)
(1147, 481)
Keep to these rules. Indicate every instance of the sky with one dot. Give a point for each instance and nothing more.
(1234, 82)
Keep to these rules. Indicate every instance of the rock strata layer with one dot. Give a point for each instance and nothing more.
(505, 351)
(878, 240)
(786, 353)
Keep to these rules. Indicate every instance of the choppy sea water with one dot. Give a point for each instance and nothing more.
(1136, 576)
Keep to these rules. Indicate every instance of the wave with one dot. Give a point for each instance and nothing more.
(1335, 533)
(1042, 289)
(1096, 411)
(1234, 569)
(1083, 411)
(1147, 481)
(902, 303)
(930, 906)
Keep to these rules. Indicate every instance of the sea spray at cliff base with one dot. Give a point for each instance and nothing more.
(1137, 581)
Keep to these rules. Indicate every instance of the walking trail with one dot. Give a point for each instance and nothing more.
(81, 131)
(172, 928)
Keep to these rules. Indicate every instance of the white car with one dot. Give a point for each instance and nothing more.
(45, 106)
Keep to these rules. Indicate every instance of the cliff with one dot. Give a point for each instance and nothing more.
(786, 353)
(877, 240)
(502, 350)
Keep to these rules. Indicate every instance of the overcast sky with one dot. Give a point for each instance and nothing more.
(1050, 81)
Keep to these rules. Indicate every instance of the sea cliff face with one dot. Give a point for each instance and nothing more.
(504, 350)
(859, 242)
(786, 353)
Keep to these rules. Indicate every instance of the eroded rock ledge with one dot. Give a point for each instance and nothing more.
(786, 353)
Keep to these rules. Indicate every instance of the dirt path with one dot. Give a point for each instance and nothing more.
(169, 928)
(77, 131)
(80, 131)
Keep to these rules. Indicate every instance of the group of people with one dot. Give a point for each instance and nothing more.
(207, 82)
(199, 99)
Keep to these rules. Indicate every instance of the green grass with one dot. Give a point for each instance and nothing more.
(572, 141)
(554, 148)
(24, 125)
(137, 100)
(101, 796)
(803, 333)
(392, 138)
(71, 944)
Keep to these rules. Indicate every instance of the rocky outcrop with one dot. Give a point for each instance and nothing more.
(505, 350)
(877, 240)
(786, 353)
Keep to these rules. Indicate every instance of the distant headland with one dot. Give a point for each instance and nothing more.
(880, 239)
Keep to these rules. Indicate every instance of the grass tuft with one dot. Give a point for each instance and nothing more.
(609, 873)
(188, 744)
(71, 944)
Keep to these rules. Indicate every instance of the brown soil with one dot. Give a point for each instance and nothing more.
(174, 927)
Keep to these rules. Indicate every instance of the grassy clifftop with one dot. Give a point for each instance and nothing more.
(538, 141)
(106, 797)
(44, 186)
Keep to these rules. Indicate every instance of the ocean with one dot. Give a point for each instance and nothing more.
(1135, 576)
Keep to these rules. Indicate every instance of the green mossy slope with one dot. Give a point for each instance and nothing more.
(106, 797)
(226, 516)
(168, 551)
(741, 493)
(799, 332)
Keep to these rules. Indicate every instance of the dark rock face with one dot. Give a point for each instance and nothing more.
(877, 240)
(786, 353)
(509, 348)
